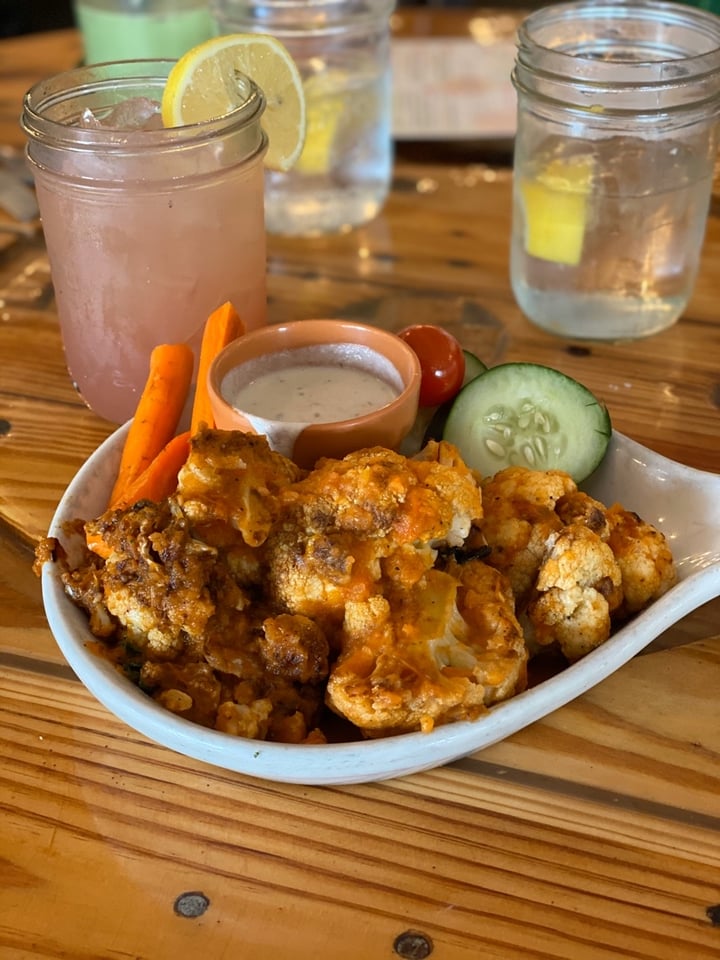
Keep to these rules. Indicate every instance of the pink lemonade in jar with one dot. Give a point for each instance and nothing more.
(148, 230)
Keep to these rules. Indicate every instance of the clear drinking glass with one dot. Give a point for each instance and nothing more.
(147, 229)
(617, 135)
(136, 29)
(342, 49)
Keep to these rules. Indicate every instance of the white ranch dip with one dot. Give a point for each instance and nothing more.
(318, 384)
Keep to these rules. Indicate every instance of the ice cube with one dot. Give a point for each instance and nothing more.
(136, 113)
(89, 120)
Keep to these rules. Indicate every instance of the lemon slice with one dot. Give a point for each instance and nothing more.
(204, 84)
(556, 210)
(326, 100)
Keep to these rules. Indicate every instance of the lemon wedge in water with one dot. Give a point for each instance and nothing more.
(203, 85)
(556, 203)
(325, 99)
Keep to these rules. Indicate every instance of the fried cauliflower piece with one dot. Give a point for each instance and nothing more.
(372, 515)
(519, 518)
(315, 574)
(415, 660)
(235, 478)
(579, 507)
(486, 603)
(155, 582)
(576, 567)
(644, 557)
(261, 681)
(449, 476)
(250, 720)
(84, 585)
(231, 644)
(382, 495)
(578, 587)
(190, 690)
(296, 648)
(641, 550)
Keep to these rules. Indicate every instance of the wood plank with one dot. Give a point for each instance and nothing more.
(43, 448)
(23, 628)
(649, 736)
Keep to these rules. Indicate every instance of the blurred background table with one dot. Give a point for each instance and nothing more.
(593, 834)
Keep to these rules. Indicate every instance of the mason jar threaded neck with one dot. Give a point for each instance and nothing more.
(643, 57)
(53, 108)
(297, 18)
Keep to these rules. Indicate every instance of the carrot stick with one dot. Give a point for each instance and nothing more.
(156, 482)
(159, 479)
(222, 326)
(158, 412)
(96, 543)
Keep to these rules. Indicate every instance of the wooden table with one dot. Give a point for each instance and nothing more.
(593, 834)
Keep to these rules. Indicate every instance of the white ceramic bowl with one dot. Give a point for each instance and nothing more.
(682, 502)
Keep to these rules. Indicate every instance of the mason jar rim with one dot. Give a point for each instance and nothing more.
(300, 4)
(298, 18)
(132, 8)
(69, 86)
(647, 70)
(577, 61)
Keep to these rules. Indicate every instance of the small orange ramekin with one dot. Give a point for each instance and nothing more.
(387, 426)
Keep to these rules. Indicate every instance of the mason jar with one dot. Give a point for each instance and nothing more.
(342, 50)
(132, 30)
(617, 136)
(148, 229)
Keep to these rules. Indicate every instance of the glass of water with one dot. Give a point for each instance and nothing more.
(618, 104)
(342, 49)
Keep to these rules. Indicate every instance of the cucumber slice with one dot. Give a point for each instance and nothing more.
(526, 414)
(474, 367)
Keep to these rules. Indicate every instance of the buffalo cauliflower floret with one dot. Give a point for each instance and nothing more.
(518, 520)
(84, 585)
(315, 574)
(644, 557)
(373, 516)
(251, 720)
(578, 587)
(449, 476)
(296, 648)
(231, 645)
(579, 507)
(383, 495)
(486, 603)
(234, 477)
(155, 581)
(414, 661)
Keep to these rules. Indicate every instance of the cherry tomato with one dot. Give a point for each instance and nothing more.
(442, 362)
